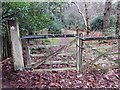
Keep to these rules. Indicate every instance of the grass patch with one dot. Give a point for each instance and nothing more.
(53, 41)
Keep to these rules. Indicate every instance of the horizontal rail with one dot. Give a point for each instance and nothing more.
(56, 69)
(48, 36)
(44, 55)
(70, 35)
(44, 46)
(58, 62)
(100, 38)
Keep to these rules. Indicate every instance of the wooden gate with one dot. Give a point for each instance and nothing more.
(100, 50)
(48, 55)
(80, 46)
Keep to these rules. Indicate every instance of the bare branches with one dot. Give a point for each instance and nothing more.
(81, 13)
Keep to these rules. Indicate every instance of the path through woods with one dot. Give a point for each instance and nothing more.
(64, 41)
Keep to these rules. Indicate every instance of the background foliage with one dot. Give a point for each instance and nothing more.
(33, 16)
(97, 22)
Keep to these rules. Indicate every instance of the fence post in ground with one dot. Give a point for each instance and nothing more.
(79, 51)
(77, 56)
(27, 53)
(16, 44)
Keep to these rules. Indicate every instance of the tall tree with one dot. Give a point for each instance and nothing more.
(106, 22)
(1, 49)
(118, 19)
(87, 17)
(1, 39)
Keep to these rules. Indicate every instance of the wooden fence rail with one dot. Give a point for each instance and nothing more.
(79, 45)
(17, 54)
(100, 38)
(69, 36)
(48, 36)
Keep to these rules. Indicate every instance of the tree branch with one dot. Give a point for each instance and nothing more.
(5, 12)
(80, 12)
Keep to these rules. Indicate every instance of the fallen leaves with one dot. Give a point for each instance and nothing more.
(58, 79)
(93, 78)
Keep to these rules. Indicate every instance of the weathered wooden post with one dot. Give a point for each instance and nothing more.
(77, 50)
(27, 53)
(80, 50)
(79, 45)
(16, 44)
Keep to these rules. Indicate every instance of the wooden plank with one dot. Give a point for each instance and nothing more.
(53, 54)
(16, 45)
(100, 38)
(102, 47)
(58, 62)
(29, 58)
(44, 55)
(44, 46)
(38, 55)
(27, 52)
(48, 36)
(55, 69)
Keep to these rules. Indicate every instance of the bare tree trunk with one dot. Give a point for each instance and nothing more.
(6, 47)
(118, 19)
(80, 12)
(106, 22)
(1, 47)
(87, 19)
(9, 44)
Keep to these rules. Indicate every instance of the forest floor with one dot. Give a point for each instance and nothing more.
(96, 77)
(105, 77)
(58, 79)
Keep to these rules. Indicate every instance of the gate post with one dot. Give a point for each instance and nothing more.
(77, 51)
(79, 46)
(80, 50)
(27, 53)
(16, 44)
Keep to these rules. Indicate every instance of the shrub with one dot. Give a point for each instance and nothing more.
(97, 22)
(110, 31)
(55, 27)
